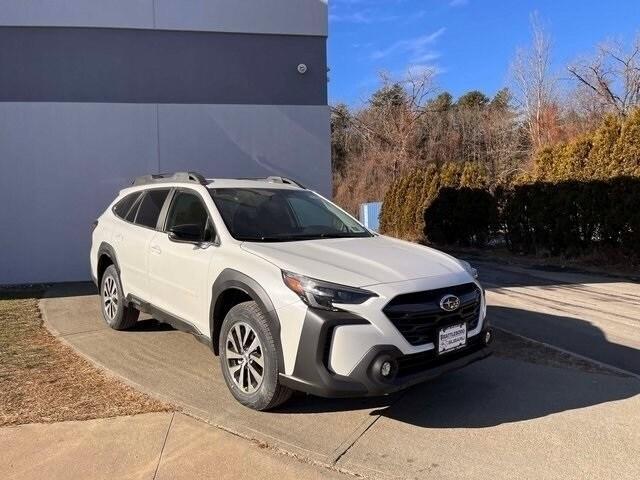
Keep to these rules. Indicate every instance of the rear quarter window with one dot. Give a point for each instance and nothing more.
(123, 206)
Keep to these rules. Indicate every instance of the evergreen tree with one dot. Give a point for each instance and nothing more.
(473, 99)
(502, 100)
(391, 95)
(601, 162)
(441, 103)
(626, 151)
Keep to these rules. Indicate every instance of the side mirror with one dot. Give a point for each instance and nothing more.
(187, 233)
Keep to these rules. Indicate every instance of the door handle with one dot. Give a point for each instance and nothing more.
(156, 249)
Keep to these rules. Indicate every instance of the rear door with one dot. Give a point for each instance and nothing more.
(178, 272)
(133, 238)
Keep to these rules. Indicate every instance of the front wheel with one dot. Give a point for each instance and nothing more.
(249, 358)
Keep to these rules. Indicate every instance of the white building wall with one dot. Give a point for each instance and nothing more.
(61, 163)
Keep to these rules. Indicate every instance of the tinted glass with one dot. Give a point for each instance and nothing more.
(122, 207)
(150, 207)
(280, 215)
(188, 209)
(131, 216)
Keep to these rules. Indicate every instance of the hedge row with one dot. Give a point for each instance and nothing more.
(562, 218)
(572, 217)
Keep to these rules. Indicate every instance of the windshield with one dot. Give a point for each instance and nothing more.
(282, 215)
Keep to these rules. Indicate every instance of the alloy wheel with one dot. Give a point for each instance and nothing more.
(244, 358)
(110, 298)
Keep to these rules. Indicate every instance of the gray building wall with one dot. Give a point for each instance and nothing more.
(141, 86)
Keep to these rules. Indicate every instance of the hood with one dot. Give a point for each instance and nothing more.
(357, 262)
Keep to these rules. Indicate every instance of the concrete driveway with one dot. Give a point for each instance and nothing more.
(528, 411)
(594, 316)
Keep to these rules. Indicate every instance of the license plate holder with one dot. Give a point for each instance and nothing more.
(452, 337)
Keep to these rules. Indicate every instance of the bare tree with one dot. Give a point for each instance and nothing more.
(611, 77)
(404, 126)
(534, 84)
(389, 124)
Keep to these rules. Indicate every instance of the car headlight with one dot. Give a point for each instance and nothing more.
(467, 266)
(319, 294)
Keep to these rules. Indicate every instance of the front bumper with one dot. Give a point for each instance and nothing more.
(312, 375)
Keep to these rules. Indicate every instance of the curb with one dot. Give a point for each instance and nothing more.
(573, 354)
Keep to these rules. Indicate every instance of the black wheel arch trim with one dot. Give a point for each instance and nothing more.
(105, 249)
(231, 279)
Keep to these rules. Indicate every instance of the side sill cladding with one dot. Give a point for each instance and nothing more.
(165, 317)
(230, 279)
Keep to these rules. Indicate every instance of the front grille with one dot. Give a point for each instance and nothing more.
(418, 315)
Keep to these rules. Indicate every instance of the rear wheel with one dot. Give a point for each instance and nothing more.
(117, 315)
(249, 358)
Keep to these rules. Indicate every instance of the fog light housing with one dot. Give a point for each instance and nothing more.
(385, 369)
(488, 336)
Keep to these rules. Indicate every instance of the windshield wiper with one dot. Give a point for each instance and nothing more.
(295, 238)
(268, 239)
(344, 235)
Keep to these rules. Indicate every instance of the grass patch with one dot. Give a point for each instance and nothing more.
(43, 380)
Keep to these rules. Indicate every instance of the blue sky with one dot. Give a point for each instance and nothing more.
(471, 43)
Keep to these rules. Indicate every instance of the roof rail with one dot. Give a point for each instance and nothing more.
(182, 177)
(285, 180)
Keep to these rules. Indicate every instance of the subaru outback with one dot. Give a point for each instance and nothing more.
(290, 291)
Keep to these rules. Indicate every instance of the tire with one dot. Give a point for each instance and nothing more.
(114, 311)
(242, 361)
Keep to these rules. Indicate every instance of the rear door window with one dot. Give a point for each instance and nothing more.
(150, 207)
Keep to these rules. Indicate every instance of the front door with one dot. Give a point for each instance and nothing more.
(178, 271)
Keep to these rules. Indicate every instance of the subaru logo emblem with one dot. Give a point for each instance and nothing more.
(449, 303)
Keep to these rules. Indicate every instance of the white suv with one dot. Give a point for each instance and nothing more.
(288, 289)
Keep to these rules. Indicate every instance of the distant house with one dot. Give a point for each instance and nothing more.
(96, 93)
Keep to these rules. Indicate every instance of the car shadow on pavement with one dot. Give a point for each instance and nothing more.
(303, 403)
(150, 325)
(569, 333)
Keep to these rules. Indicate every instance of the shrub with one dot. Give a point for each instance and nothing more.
(466, 216)
(572, 217)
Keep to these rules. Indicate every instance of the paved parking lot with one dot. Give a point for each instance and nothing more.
(528, 411)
